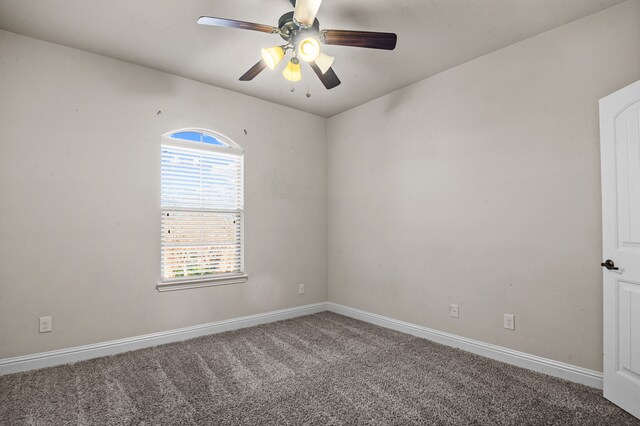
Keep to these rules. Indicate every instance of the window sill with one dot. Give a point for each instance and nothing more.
(201, 282)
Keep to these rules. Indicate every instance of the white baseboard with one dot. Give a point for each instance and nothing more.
(543, 365)
(80, 353)
(510, 356)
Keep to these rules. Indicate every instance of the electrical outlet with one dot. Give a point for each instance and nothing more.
(301, 289)
(453, 311)
(509, 322)
(45, 325)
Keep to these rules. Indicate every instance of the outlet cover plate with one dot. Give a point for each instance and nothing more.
(45, 325)
(453, 311)
(509, 322)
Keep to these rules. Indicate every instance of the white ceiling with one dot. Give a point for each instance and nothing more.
(433, 35)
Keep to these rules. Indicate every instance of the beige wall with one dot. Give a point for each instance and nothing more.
(480, 187)
(79, 198)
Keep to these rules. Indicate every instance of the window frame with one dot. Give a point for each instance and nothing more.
(213, 279)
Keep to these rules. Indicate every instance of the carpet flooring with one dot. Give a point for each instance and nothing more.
(322, 369)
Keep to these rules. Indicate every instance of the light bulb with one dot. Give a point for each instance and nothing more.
(292, 71)
(309, 49)
(272, 56)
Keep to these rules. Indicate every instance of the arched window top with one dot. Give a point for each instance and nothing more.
(201, 136)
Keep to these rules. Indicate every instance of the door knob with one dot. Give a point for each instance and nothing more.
(609, 265)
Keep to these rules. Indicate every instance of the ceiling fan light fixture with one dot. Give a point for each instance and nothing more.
(309, 49)
(272, 56)
(292, 71)
(302, 35)
(324, 62)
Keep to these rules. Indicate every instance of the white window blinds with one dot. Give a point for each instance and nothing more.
(202, 212)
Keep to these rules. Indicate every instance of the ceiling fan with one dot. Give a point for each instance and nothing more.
(301, 31)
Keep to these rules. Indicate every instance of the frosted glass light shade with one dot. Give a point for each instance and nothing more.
(324, 62)
(306, 11)
(292, 71)
(309, 49)
(272, 56)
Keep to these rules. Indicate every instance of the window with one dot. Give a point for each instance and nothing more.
(202, 210)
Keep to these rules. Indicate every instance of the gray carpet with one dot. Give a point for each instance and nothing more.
(320, 369)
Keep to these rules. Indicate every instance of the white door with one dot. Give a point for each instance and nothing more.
(620, 157)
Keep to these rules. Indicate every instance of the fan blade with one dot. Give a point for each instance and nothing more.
(329, 79)
(254, 71)
(306, 11)
(230, 23)
(372, 40)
